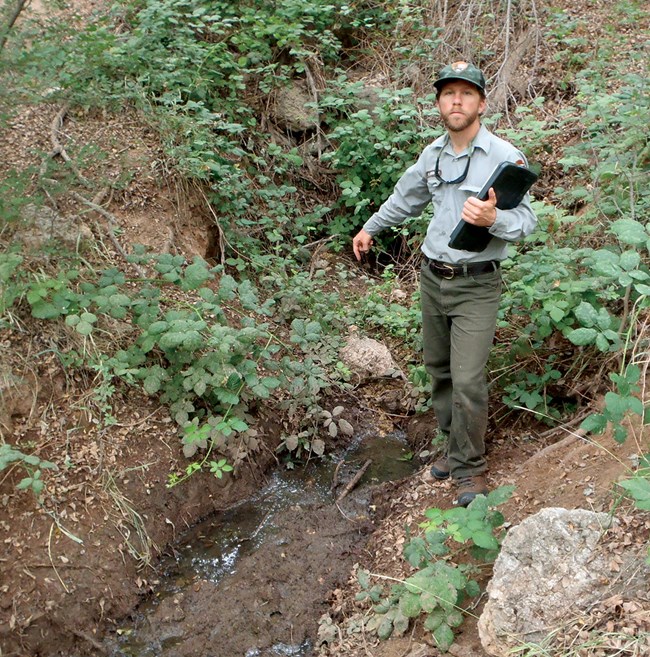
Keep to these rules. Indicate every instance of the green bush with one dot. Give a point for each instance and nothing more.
(455, 544)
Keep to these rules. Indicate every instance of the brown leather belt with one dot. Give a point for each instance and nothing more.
(449, 271)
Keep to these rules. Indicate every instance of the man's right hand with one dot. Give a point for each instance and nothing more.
(361, 243)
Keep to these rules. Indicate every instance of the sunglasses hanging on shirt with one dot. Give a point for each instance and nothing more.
(437, 173)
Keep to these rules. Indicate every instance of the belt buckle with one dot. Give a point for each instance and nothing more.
(450, 268)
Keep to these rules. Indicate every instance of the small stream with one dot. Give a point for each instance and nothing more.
(251, 581)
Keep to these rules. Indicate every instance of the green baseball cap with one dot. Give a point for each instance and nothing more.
(461, 71)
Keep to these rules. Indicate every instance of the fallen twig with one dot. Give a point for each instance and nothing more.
(354, 481)
(91, 640)
(335, 478)
(49, 554)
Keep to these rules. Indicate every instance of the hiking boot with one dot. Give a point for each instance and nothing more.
(440, 468)
(469, 488)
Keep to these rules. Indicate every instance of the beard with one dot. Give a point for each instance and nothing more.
(458, 122)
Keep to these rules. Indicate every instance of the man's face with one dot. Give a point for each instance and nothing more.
(460, 104)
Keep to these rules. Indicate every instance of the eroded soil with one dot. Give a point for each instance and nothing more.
(76, 567)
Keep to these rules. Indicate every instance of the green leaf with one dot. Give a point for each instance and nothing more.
(45, 310)
(400, 623)
(363, 577)
(385, 628)
(616, 404)
(409, 605)
(455, 618)
(557, 314)
(434, 620)
(638, 488)
(602, 343)
(172, 340)
(586, 314)
(428, 602)
(444, 637)
(472, 589)
(595, 423)
(630, 260)
(582, 336)
(485, 540)
(270, 382)
(158, 327)
(629, 231)
(84, 328)
(237, 424)
(620, 433)
(415, 552)
(635, 405)
(500, 495)
(196, 275)
(227, 288)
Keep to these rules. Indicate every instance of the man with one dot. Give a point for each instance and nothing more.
(460, 289)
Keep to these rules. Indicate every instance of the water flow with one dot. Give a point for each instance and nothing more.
(212, 550)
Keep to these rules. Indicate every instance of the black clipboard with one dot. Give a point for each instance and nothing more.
(511, 182)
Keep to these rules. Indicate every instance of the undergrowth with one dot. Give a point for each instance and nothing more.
(263, 323)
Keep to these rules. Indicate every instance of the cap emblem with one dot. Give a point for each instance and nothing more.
(459, 67)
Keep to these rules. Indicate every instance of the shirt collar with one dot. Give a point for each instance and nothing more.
(482, 140)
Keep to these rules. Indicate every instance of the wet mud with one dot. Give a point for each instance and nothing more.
(255, 580)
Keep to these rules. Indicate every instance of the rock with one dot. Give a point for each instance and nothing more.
(547, 570)
(368, 358)
(291, 111)
(45, 225)
(17, 397)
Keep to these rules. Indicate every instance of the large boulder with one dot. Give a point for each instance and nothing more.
(368, 358)
(292, 110)
(44, 225)
(548, 570)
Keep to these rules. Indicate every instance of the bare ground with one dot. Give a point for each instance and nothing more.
(74, 567)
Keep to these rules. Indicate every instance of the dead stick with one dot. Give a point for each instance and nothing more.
(59, 148)
(355, 480)
(335, 478)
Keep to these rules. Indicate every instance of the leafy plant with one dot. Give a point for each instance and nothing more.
(638, 487)
(439, 586)
(188, 350)
(335, 424)
(30, 463)
(620, 405)
(373, 148)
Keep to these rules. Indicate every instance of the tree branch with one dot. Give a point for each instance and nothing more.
(20, 5)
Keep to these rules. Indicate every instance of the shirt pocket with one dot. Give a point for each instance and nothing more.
(469, 190)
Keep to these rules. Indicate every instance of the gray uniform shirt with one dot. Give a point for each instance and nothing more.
(418, 186)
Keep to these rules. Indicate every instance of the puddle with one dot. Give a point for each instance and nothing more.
(253, 581)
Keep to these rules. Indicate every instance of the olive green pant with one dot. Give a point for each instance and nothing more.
(458, 325)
